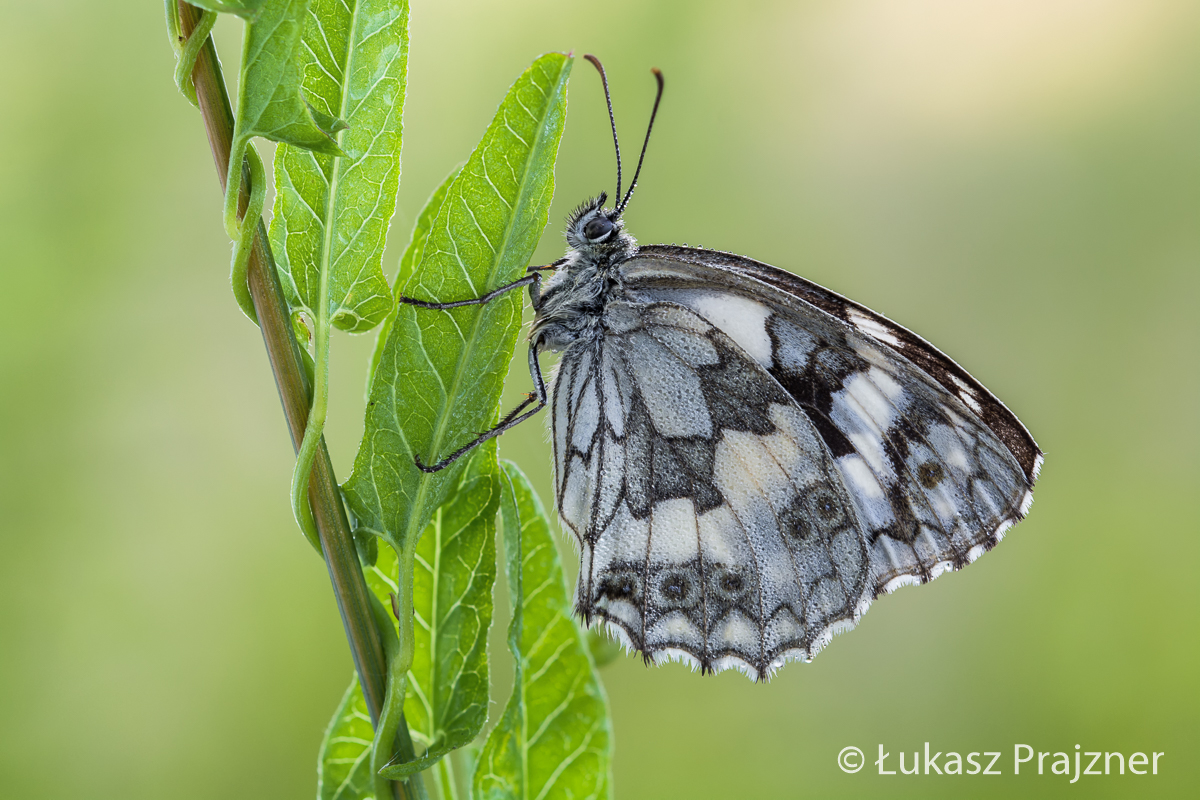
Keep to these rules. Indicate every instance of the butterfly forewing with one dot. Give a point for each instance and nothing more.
(672, 265)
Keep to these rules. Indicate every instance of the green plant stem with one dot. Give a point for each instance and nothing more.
(445, 779)
(398, 667)
(291, 379)
(313, 439)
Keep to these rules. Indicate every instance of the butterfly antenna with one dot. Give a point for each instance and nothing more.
(611, 119)
(653, 113)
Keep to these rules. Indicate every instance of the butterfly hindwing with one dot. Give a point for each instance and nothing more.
(714, 524)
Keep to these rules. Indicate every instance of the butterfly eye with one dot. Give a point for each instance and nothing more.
(597, 228)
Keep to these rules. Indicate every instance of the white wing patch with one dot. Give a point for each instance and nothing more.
(740, 318)
(670, 388)
(873, 327)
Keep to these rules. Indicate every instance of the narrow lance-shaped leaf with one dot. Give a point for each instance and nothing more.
(332, 214)
(270, 103)
(440, 375)
(344, 762)
(455, 568)
(408, 264)
(555, 738)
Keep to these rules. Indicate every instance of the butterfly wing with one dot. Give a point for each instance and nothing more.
(739, 511)
(713, 523)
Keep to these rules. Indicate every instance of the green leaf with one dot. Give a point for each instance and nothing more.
(270, 103)
(454, 571)
(408, 264)
(332, 214)
(420, 235)
(243, 8)
(344, 762)
(440, 375)
(555, 738)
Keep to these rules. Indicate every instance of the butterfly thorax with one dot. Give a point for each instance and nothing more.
(570, 306)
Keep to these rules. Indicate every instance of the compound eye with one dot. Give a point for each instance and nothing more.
(597, 228)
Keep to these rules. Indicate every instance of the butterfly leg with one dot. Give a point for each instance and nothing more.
(533, 278)
(511, 420)
(544, 267)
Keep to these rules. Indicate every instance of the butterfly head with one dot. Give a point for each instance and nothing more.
(594, 227)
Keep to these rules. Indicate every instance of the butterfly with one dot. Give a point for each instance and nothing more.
(745, 459)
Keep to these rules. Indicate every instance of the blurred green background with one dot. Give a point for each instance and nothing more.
(1019, 182)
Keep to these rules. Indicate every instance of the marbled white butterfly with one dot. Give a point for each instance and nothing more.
(747, 459)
